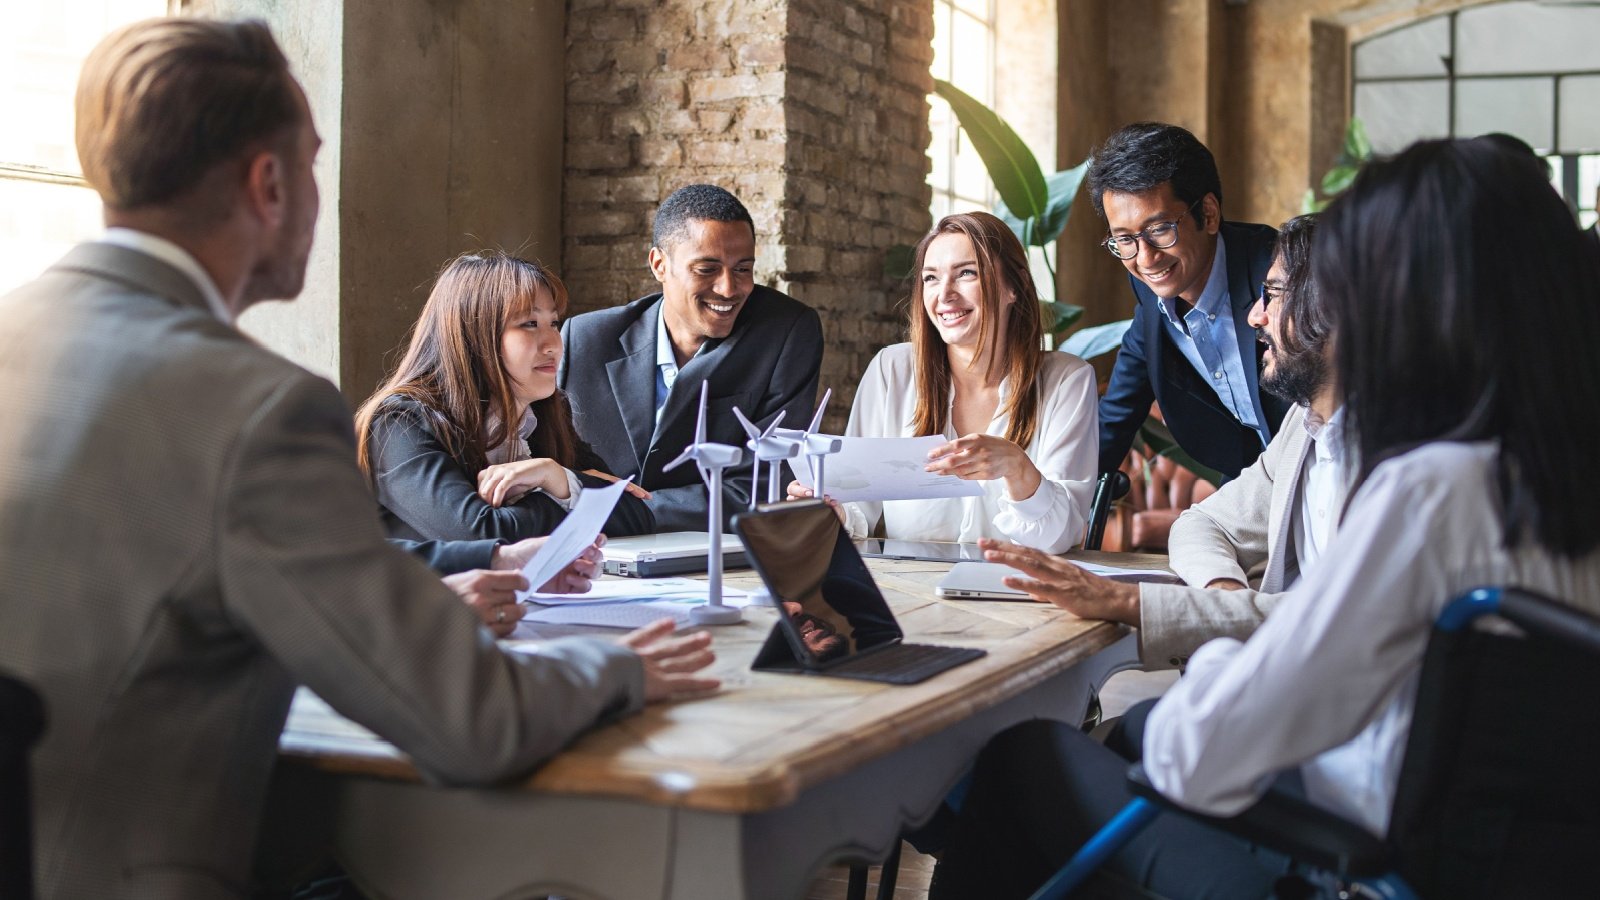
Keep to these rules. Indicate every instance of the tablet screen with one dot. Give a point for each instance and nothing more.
(832, 609)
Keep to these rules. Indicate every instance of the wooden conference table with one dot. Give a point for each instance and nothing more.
(745, 794)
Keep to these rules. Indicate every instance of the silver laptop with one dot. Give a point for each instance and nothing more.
(983, 580)
(978, 581)
(668, 553)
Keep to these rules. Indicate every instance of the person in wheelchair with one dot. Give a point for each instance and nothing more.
(1458, 401)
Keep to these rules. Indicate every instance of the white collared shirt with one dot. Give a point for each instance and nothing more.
(1065, 448)
(176, 257)
(515, 449)
(1329, 681)
(1324, 483)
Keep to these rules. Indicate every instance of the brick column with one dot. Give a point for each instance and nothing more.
(813, 113)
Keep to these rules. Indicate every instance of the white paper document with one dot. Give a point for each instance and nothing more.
(629, 590)
(887, 469)
(576, 532)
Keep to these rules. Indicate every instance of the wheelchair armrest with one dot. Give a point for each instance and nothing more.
(1292, 826)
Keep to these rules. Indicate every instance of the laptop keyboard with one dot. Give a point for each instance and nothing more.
(904, 663)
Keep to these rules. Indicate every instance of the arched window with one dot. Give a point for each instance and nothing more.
(45, 207)
(1527, 68)
(964, 55)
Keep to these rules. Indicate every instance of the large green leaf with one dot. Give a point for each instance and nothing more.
(1062, 188)
(1357, 148)
(1058, 317)
(1339, 178)
(1087, 343)
(1158, 439)
(1016, 174)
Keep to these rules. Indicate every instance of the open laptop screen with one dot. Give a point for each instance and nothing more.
(832, 608)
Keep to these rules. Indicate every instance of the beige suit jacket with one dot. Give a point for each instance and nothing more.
(185, 537)
(1243, 532)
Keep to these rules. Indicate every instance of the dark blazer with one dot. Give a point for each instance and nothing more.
(425, 494)
(1150, 367)
(768, 363)
(451, 557)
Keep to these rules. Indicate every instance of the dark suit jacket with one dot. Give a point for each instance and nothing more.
(1151, 367)
(768, 363)
(424, 493)
(451, 557)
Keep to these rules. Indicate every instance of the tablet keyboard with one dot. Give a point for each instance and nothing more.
(904, 663)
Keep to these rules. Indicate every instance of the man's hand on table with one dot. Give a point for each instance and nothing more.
(576, 578)
(672, 663)
(1051, 579)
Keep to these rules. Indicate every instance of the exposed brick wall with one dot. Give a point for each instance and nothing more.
(814, 113)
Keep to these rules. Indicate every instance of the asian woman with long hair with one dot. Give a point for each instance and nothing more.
(470, 438)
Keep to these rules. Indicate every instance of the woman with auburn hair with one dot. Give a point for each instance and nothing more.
(469, 438)
(1021, 420)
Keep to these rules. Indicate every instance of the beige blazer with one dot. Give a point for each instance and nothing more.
(185, 537)
(1226, 535)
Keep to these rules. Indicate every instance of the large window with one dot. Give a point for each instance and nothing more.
(1526, 68)
(963, 54)
(45, 207)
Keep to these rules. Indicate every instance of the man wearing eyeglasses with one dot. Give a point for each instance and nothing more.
(1190, 347)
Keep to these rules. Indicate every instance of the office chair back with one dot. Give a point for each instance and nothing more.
(1499, 792)
(1112, 487)
(21, 724)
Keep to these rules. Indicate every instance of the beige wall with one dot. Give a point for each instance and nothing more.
(442, 130)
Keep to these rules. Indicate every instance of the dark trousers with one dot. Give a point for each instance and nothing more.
(1042, 789)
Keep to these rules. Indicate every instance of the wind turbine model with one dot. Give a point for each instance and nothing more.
(766, 448)
(815, 446)
(711, 459)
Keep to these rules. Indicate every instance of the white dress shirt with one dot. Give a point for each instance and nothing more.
(176, 257)
(515, 449)
(1065, 448)
(1328, 682)
(1324, 483)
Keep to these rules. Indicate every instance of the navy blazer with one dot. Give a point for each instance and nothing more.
(768, 363)
(1150, 367)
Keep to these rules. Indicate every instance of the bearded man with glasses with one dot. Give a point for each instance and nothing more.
(1191, 347)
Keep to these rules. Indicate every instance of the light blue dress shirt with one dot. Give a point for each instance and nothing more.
(1211, 345)
(666, 363)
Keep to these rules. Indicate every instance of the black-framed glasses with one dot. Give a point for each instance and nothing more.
(1271, 293)
(1159, 236)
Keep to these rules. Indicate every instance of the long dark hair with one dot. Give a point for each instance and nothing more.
(1303, 306)
(452, 366)
(1002, 269)
(1468, 309)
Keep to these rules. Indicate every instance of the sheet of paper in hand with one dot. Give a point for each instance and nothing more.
(888, 469)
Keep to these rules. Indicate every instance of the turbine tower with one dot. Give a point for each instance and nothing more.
(711, 459)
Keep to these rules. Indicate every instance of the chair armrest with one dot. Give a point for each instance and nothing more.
(1292, 826)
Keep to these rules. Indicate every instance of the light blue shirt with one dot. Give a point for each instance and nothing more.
(1211, 344)
(666, 362)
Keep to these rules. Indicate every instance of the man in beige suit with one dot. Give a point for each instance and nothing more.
(1241, 548)
(186, 536)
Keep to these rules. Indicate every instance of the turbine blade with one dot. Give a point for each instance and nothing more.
(778, 420)
(688, 454)
(749, 426)
(700, 423)
(816, 420)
